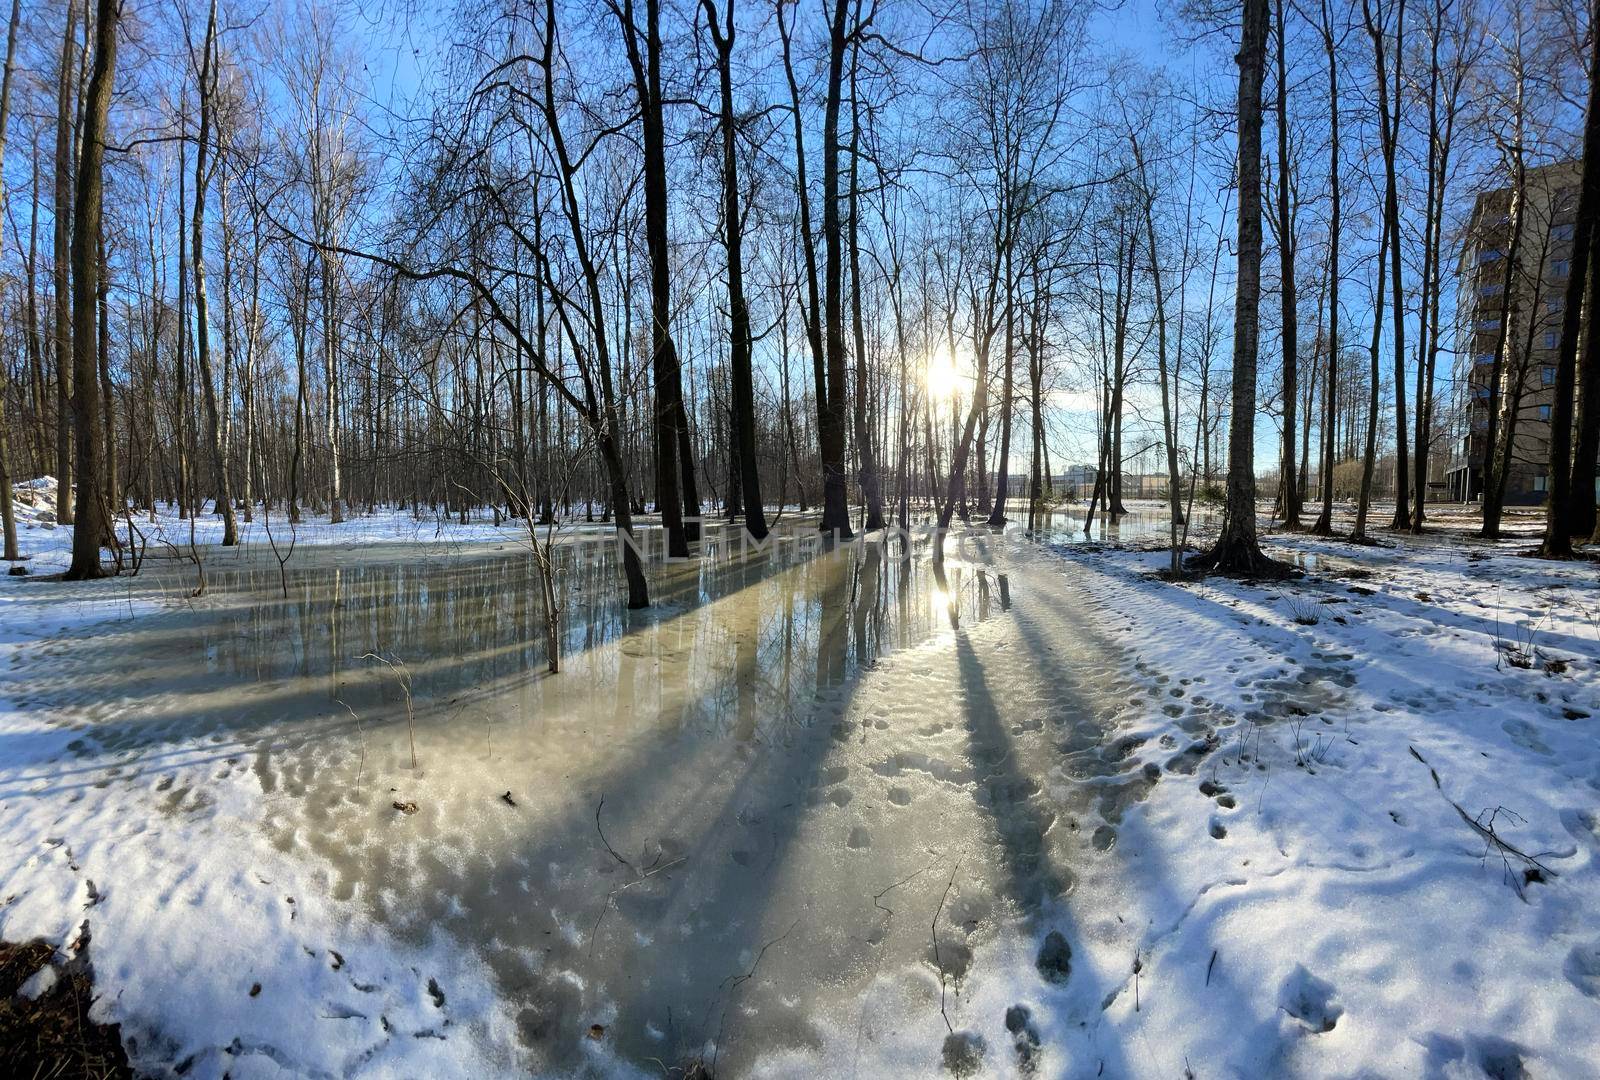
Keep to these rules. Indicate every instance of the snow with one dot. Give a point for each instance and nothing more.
(1347, 892)
(38, 984)
(834, 842)
(46, 547)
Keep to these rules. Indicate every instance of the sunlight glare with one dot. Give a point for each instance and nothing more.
(943, 378)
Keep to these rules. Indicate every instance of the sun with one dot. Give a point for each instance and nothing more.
(942, 377)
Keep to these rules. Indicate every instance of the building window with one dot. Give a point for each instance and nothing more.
(1480, 393)
(1562, 232)
(1561, 267)
(1487, 324)
(1494, 288)
(1551, 338)
(1541, 483)
(1488, 255)
(1544, 412)
(1553, 305)
(1547, 375)
(1484, 359)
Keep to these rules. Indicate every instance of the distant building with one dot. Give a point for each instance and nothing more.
(1522, 325)
(1076, 483)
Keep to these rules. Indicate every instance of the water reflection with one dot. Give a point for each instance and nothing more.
(725, 639)
(1066, 526)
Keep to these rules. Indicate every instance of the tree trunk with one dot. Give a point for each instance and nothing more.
(811, 309)
(740, 344)
(835, 508)
(866, 453)
(180, 378)
(1432, 213)
(206, 80)
(1559, 525)
(61, 342)
(1237, 551)
(1584, 514)
(92, 528)
(31, 314)
(1369, 458)
(1389, 132)
(248, 388)
(1286, 254)
(8, 520)
(299, 326)
(1168, 428)
(1492, 484)
(671, 443)
(108, 419)
(1119, 372)
(997, 513)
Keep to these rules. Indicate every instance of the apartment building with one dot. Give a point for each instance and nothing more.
(1513, 312)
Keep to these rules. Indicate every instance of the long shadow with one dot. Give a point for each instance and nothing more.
(745, 829)
(1016, 809)
(1110, 763)
(1179, 958)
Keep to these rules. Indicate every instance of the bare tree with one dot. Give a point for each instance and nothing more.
(92, 519)
(1389, 138)
(61, 340)
(739, 336)
(8, 517)
(1560, 524)
(1237, 550)
(1286, 286)
(206, 82)
(1324, 522)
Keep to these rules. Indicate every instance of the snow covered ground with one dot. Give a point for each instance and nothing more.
(1343, 825)
(1322, 896)
(46, 547)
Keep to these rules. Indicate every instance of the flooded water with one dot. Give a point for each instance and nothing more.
(695, 835)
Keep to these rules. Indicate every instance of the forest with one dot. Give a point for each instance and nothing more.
(867, 260)
(791, 538)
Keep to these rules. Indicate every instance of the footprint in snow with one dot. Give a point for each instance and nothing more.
(963, 1053)
(1310, 1000)
(1025, 1038)
(1582, 968)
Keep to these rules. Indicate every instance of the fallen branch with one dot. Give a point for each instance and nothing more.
(934, 929)
(611, 897)
(735, 980)
(1491, 837)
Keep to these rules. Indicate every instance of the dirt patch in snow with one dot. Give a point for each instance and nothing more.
(45, 1028)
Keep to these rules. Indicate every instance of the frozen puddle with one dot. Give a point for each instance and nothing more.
(769, 824)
